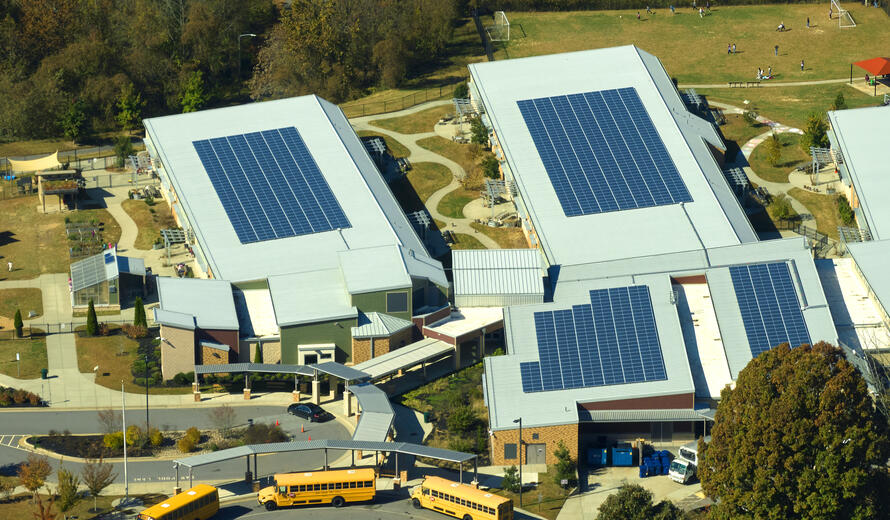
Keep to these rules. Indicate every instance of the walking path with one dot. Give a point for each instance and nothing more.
(421, 154)
(769, 83)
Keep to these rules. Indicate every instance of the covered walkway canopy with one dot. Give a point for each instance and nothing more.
(377, 414)
(875, 66)
(404, 357)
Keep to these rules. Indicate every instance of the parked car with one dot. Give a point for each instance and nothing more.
(310, 411)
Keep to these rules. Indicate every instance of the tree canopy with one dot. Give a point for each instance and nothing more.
(634, 502)
(798, 437)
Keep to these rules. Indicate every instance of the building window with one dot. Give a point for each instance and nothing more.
(509, 451)
(534, 436)
(397, 302)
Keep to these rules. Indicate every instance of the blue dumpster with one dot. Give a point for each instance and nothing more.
(598, 456)
(622, 455)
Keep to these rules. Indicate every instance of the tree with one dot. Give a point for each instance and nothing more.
(815, 134)
(258, 353)
(491, 168)
(139, 319)
(44, 511)
(97, 475)
(461, 91)
(123, 148)
(33, 472)
(798, 437)
(773, 150)
(390, 57)
(845, 212)
(750, 117)
(565, 465)
(17, 323)
(634, 502)
(511, 479)
(67, 490)
(478, 132)
(129, 107)
(7, 486)
(839, 102)
(780, 207)
(92, 320)
(109, 419)
(223, 418)
(73, 121)
(193, 97)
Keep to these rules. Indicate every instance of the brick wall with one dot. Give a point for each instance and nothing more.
(178, 352)
(548, 435)
(361, 347)
(213, 356)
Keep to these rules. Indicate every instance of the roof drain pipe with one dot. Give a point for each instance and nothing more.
(697, 236)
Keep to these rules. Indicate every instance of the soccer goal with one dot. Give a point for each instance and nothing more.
(500, 31)
(844, 18)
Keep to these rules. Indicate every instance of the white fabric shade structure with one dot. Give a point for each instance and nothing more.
(34, 165)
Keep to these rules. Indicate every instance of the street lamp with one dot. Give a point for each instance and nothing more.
(520, 458)
(147, 428)
(239, 51)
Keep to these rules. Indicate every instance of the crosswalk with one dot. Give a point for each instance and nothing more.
(12, 441)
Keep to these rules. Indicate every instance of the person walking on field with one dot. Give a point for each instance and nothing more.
(9, 266)
(801, 65)
(701, 12)
(728, 48)
(808, 22)
(777, 50)
(733, 48)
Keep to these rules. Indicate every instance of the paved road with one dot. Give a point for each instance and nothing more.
(86, 421)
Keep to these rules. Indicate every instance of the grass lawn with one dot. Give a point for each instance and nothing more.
(35, 243)
(462, 154)
(150, 220)
(114, 355)
(694, 50)
(553, 496)
(423, 180)
(111, 230)
(465, 47)
(396, 149)
(415, 123)
(792, 105)
(823, 207)
(736, 132)
(21, 506)
(506, 237)
(464, 241)
(452, 204)
(33, 357)
(791, 157)
(27, 299)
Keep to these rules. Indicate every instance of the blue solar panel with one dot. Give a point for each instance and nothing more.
(769, 306)
(269, 185)
(611, 341)
(602, 153)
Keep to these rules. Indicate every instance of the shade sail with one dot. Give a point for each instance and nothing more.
(875, 66)
(33, 165)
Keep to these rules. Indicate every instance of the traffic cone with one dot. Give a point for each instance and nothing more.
(276, 423)
(302, 428)
(310, 437)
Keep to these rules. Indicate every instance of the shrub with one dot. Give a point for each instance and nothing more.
(113, 441)
(92, 320)
(511, 479)
(156, 438)
(185, 445)
(461, 419)
(194, 434)
(839, 102)
(461, 91)
(750, 117)
(135, 331)
(263, 433)
(478, 132)
(184, 378)
(460, 444)
(491, 167)
(135, 436)
(815, 134)
(780, 207)
(139, 319)
(104, 329)
(565, 466)
(845, 212)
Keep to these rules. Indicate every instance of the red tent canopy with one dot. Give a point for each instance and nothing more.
(875, 66)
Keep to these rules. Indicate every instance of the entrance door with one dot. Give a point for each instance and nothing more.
(535, 454)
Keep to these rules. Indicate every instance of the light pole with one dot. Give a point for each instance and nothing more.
(520, 458)
(95, 384)
(147, 428)
(239, 51)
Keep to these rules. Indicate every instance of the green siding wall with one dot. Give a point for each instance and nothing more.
(336, 332)
(376, 302)
(256, 284)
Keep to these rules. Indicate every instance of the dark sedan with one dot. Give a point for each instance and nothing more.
(310, 411)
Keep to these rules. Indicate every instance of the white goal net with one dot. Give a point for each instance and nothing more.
(500, 31)
(844, 18)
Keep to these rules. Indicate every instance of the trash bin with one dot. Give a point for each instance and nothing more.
(426, 417)
(43, 373)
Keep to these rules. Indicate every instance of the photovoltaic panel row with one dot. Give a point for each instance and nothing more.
(602, 153)
(769, 306)
(269, 185)
(611, 341)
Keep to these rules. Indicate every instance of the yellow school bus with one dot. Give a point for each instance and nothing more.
(198, 503)
(335, 487)
(460, 500)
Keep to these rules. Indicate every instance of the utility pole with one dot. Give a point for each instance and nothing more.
(239, 51)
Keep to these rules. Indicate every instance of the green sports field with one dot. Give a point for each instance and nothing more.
(693, 49)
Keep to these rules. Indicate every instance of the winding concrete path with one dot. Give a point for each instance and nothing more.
(421, 154)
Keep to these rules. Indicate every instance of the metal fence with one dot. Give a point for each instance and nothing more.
(371, 108)
(37, 330)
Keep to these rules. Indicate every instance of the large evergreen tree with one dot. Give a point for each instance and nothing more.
(139, 319)
(92, 320)
(798, 437)
(17, 323)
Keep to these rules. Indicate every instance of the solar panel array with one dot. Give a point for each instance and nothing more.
(611, 341)
(269, 185)
(602, 153)
(769, 306)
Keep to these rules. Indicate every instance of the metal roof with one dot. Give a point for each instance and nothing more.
(94, 270)
(131, 265)
(713, 219)
(269, 368)
(209, 301)
(373, 269)
(377, 414)
(871, 260)
(378, 324)
(375, 215)
(213, 344)
(309, 297)
(497, 271)
(256, 314)
(174, 319)
(283, 447)
(404, 357)
(861, 134)
(342, 371)
(661, 415)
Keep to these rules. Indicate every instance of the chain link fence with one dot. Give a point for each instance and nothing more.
(371, 108)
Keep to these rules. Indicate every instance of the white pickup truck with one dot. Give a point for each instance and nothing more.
(682, 468)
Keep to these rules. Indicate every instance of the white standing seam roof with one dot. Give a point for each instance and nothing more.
(497, 271)
(310, 297)
(377, 413)
(94, 270)
(373, 269)
(862, 136)
(713, 219)
(871, 260)
(404, 357)
(375, 217)
(378, 324)
(209, 301)
(857, 315)
(256, 314)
